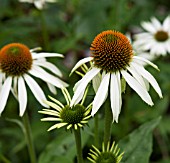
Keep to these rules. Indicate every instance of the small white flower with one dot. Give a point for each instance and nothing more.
(39, 4)
(112, 56)
(17, 66)
(156, 39)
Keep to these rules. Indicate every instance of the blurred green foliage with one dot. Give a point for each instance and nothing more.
(68, 27)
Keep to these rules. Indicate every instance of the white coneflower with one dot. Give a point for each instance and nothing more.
(156, 39)
(39, 4)
(17, 66)
(112, 56)
(63, 115)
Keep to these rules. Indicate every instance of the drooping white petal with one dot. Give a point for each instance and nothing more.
(45, 76)
(101, 94)
(36, 90)
(50, 67)
(96, 82)
(22, 96)
(147, 61)
(115, 95)
(136, 74)
(52, 88)
(5, 93)
(81, 62)
(150, 79)
(41, 55)
(142, 92)
(79, 98)
(83, 84)
(14, 88)
(39, 4)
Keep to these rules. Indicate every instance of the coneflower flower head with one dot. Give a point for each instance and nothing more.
(107, 155)
(112, 56)
(71, 117)
(17, 65)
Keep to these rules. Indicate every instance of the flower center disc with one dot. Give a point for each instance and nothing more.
(161, 36)
(15, 59)
(111, 50)
(73, 115)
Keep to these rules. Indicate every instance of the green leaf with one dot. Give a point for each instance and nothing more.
(137, 146)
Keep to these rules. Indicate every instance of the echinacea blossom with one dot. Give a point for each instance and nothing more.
(156, 39)
(108, 154)
(113, 57)
(17, 66)
(39, 4)
(65, 116)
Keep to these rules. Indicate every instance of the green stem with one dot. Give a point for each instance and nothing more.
(77, 135)
(96, 130)
(28, 137)
(108, 123)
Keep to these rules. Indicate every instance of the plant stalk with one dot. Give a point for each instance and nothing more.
(108, 123)
(77, 134)
(28, 137)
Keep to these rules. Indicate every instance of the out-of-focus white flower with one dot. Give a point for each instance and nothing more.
(38, 3)
(156, 39)
(139, 52)
(17, 66)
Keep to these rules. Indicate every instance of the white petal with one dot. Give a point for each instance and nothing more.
(36, 90)
(79, 98)
(5, 93)
(45, 76)
(115, 95)
(81, 62)
(136, 74)
(148, 27)
(156, 23)
(150, 79)
(22, 96)
(41, 55)
(147, 61)
(83, 84)
(58, 125)
(142, 92)
(166, 24)
(50, 67)
(52, 88)
(39, 4)
(14, 88)
(101, 94)
(96, 82)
